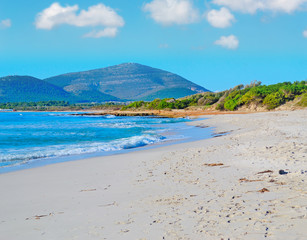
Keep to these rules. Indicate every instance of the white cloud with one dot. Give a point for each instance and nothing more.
(6, 23)
(168, 12)
(230, 42)
(220, 19)
(107, 32)
(56, 15)
(252, 6)
(305, 33)
(97, 15)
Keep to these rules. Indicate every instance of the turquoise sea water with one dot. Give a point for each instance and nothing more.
(31, 136)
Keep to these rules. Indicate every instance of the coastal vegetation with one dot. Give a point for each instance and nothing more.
(253, 94)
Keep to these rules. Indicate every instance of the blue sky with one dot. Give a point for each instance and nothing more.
(217, 44)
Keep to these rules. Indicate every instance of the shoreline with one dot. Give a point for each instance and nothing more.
(161, 113)
(223, 187)
(184, 131)
(174, 113)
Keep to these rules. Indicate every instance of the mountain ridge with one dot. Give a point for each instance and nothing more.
(123, 82)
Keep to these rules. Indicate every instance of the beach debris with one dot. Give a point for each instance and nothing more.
(247, 180)
(263, 190)
(225, 167)
(282, 172)
(279, 183)
(37, 217)
(220, 134)
(267, 171)
(267, 212)
(88, 190)
(41, 216)
(202, 126)
(106, 188)
(213, 164)
(107, 205)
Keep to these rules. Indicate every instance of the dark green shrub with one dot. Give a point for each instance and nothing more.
(207, 100)
(231, 104)
(220, 106)
(163, 104)
(154, 104)
(251, 96)
(302, 102)
(233, 100)
(274, 100)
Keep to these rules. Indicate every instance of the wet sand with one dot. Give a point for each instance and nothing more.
(229, 186)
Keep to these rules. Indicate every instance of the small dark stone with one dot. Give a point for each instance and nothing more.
(282, 172)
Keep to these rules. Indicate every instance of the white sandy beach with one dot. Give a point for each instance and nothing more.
(209, 189)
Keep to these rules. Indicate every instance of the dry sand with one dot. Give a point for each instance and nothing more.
(209, 189)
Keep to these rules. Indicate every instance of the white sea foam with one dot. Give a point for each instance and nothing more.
(55, 135)
(84, 148)
(119, 125)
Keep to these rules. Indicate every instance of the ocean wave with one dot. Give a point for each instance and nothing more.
(86, 148)
(119, 125)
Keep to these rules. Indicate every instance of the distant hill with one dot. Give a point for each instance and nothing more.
(30, 89)
(124, 82)
(128, 81)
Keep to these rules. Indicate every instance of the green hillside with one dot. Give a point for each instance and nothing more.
(124, 82)
(30, 89)
(129, 81)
